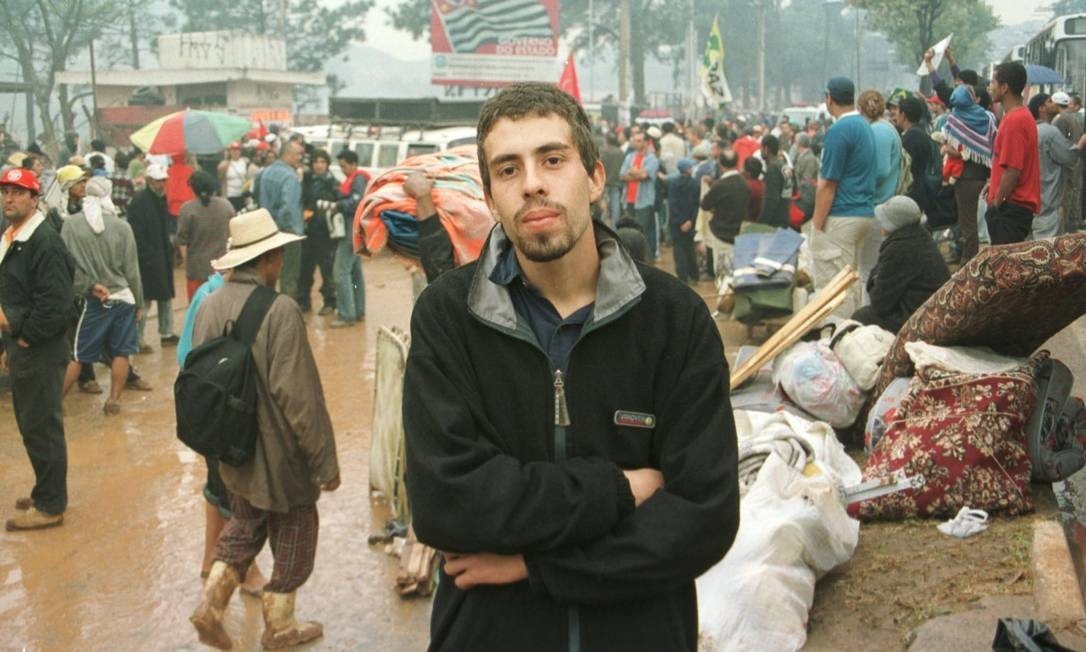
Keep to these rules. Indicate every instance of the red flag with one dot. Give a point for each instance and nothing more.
(568, 80)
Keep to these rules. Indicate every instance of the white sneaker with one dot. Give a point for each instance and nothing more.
(967, 523)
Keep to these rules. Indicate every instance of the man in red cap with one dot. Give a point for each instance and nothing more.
(37, 306)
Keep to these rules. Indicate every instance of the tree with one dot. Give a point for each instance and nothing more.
(1067, 7)
(915, 26)
(42, 37)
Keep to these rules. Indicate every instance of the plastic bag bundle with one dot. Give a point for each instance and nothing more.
(812, 376)
(793, 529)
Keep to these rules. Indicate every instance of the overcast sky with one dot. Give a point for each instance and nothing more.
(381, 36)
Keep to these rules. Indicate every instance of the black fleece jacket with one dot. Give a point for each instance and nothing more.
(489, 470)
(36, 288)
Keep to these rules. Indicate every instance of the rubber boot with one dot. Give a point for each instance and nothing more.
(280, 628)
(220, 585)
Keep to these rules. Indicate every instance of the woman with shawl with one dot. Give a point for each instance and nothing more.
(970, 135)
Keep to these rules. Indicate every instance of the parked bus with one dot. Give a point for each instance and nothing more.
(1061, 46)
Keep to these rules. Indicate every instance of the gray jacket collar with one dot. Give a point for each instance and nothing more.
(619, 288)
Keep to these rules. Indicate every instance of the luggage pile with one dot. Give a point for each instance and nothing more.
(961, 409)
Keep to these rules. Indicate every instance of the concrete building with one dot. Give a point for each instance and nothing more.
(234, 72)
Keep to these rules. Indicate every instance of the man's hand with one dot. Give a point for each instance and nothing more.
(4, 361)
(420, 187)
(469, 571)
(686, 226)
(139, 314)
(100, 292)
(331, 485)
(4, 325)
(23, 344)
(417, 185)
(929, 55)
(949, 54)
(643, 483)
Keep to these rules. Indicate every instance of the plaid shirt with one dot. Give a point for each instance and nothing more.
(122, 193)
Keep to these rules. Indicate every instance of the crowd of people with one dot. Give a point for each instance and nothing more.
(975, 158)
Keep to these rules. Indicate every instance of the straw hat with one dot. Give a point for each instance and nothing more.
(252, 234)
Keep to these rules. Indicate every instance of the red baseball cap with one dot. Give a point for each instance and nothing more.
(22, 179)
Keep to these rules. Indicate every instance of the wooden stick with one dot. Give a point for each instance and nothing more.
(831, 297)
(788, 335)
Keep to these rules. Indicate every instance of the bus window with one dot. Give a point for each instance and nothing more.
(457, 142)
(414, 149)
(365, 153)
(388, 155)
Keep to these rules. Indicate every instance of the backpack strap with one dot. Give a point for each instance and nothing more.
(252, 314)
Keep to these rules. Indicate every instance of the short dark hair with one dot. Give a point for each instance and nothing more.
(1013, 74)
(969, 77)
(98, 145)
(728, 158)
(97, 162)
(668, 127)
(753, 167)
(771, 143)
(913, 109)
(347, 155)
(321, 154)
(539, 99)
(28, 162)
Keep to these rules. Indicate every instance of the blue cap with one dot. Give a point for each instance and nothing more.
(840, 88)
(685, 165)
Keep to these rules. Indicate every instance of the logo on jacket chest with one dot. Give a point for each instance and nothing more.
(634, 419)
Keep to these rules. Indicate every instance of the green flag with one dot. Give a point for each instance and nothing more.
(714, 85)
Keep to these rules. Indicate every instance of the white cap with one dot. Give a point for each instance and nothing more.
(654, 132)
(1061, 98)
(156, 171)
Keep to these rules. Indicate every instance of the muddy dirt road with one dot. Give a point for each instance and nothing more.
(122, 573)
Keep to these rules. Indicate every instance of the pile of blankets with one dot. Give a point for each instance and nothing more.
(386, 215)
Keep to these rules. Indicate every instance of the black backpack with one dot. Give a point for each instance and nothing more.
(215, 393)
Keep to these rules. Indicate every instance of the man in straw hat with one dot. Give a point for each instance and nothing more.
(36, 308)
(274, 496)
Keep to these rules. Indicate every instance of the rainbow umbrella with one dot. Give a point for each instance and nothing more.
(199, 132)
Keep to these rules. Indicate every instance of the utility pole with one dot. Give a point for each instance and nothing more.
(692, 63)
(283, 19)
(859, 39)
(761, 55)
(591, 50)
(94, 93)
(132, 34)
(623, 52)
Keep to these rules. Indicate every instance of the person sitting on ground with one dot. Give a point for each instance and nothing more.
(909, 270)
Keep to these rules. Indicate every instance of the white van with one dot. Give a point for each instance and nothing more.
(380, 148)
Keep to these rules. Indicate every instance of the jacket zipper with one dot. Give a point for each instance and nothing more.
(561, 422)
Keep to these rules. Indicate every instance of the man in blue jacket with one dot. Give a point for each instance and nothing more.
(570, 443)
(281, 194)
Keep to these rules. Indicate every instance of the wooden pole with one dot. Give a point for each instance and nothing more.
(807, 318)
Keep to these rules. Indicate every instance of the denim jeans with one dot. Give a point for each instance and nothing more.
(350, 288)
(614, 203)
(647, 219)
(165, 318)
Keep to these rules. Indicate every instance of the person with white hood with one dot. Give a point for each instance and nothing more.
(107, 275)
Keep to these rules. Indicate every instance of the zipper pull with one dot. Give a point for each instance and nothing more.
(561, 410)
